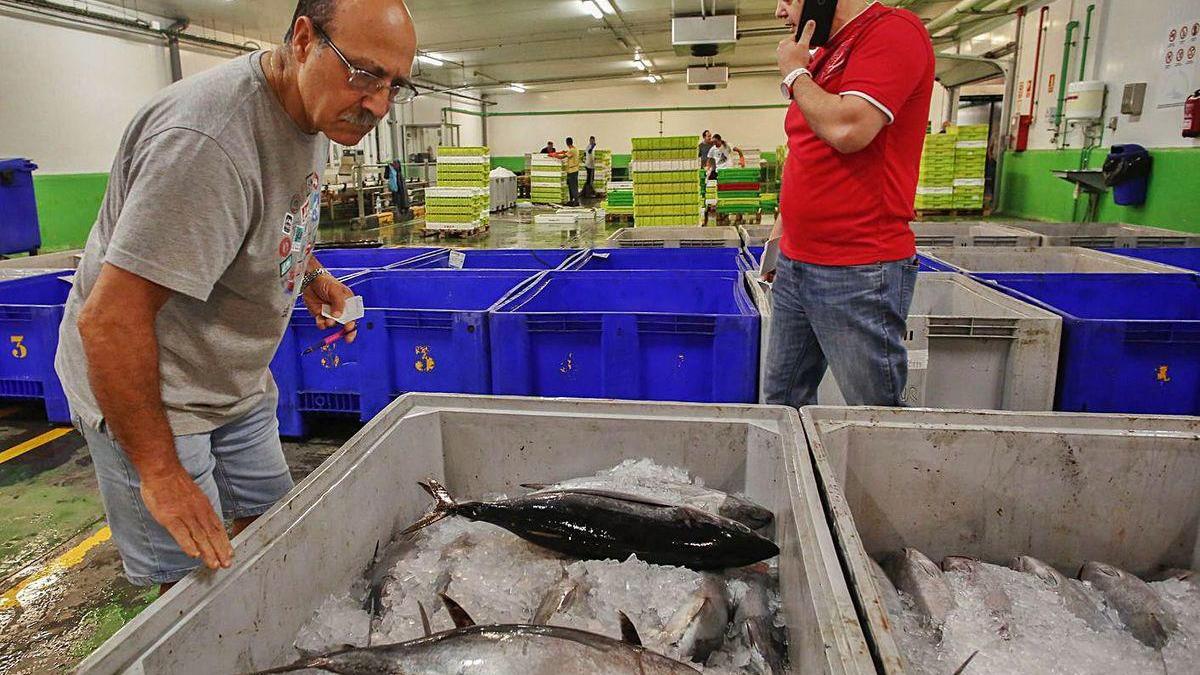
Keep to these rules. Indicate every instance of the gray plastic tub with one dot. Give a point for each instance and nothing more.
(63, 260)
(1108, 235)
(969, 346)
(755, 235)
(1052, 259)
(1064, 488)
(321, 536)
(676, 237)
(973, 234)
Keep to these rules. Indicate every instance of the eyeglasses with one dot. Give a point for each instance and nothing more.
(367, 82)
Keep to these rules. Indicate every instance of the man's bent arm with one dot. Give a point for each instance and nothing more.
(847, 123)
(117, 328)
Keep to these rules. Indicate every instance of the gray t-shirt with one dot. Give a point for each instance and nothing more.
(704, 148)
(214, 194)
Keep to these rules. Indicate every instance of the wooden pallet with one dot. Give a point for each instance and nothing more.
(454, 234)
(950, 213)
(619, 218)
(739, 218)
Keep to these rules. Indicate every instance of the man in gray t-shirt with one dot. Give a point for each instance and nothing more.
(706, 143)
(200, 250)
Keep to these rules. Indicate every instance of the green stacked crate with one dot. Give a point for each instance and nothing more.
(970, 163)
(666, 182)
(603, 171)
(935, 185)
(743, 199)
(547, 180)
(461, 200)
(620, 197)
(768, 202)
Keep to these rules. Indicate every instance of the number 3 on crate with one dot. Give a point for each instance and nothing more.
(18, 342)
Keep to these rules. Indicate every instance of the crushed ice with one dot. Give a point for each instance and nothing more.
(1043, 636)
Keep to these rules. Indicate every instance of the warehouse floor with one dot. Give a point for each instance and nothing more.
(61, 589)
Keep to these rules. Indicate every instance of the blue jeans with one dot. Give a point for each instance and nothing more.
(240, 467)
(849, 319)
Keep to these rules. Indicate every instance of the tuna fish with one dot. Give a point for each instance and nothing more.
(733, 507)
(1074, 598)
(997, 602)
(918, 576)
(1138, 605)
(595, 526)
(753, 622)
(891, 599)
(505, 648)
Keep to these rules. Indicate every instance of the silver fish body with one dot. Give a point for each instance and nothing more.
(1142, 610)
(753, 622)
(698, 627)
(891, 599)
(919, 577)
(517, 649)
(1074, 598)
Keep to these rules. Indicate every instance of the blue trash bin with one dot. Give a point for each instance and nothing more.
(19, 232)
(1127, 169)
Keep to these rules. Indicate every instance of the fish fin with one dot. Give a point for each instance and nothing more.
(535, 486)
(443, 506)
(966, 663)
(457, 614)
(629, 633)
(424, 619)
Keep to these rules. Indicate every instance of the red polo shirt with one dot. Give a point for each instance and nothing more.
(854, 209)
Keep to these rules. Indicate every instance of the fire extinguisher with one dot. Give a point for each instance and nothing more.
(1191, 116)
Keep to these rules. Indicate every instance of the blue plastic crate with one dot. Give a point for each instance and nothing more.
(369, 258)
(730, 259)
(1187, 258)
(31, 311)
(1131, 342)
(647, 335)
(424, 330)
(19, 231)
(497, 259)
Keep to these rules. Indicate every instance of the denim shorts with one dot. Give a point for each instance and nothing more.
(240, 467)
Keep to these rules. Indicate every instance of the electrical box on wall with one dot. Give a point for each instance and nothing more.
(1133, 98)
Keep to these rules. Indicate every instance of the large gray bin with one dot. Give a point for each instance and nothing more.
(321, 536)
(1064, 488)
(1108, 235)
(1052, 259)
(972, 234)
(969, 346)
(755, 235)
(676, 237)
(63, 260)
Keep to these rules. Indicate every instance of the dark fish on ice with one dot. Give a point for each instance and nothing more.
(1136, 603)
(1074, 598)
(733, 507)
(519, 649)
(920, 578)
(593, 526)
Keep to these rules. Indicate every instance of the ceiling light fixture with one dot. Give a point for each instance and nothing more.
(517, 87)
(639, 65)
(593, 9)
(431, 60)
(606, 6)
(651, 78)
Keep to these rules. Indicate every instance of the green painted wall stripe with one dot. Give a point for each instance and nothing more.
(460, 111)
(1031, 191)
(613, 111)
(67, 205)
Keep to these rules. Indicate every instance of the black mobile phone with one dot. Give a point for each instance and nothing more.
(820, 11)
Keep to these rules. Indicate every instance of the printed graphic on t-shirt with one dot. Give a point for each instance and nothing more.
(299, 235)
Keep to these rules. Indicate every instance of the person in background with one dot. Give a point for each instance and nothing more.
(572, 155)
(847, 265)
(171, 323)
(720, 156)
(589, 163)
(549, 149)
(706, 143)
(945, 127)
(394, 172)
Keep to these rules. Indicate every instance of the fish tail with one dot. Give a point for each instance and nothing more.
(443, 506)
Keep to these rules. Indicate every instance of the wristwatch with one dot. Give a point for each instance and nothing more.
(310, 277)
(786, 86)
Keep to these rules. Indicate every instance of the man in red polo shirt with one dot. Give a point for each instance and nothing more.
(847, 267)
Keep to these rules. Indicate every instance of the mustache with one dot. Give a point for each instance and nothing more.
(361, 118)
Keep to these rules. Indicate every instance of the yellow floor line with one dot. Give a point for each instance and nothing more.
(62, 563)
(33, 443)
